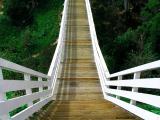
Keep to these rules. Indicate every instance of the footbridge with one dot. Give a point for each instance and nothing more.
(78, 85)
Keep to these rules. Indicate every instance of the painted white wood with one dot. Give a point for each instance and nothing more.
(17, 102)
(40, 88)
(14, 85)
(2, 95)
(145, 67)
(135, 89)
(61, 38)
(104, 74)
(141, 97)
(140, 83)
(53, 86)
(27, 84)
(144, 114)
(5, 115)
(15, 67)
(101, 77)
(58, 55)
(119, 87)
(27, 77)
(30, 110)
(96, 48)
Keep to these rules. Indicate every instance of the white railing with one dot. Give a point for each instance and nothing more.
(136, 82)
(98, 57)
(57, 58)
(45, 95)
(46, 87)
(26, 84)
(134, 95)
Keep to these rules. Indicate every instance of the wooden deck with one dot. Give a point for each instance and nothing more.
(79, 95)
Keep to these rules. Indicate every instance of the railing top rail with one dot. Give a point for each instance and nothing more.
(95, 44)
(60, 38)
(18, 68)
(145, 67)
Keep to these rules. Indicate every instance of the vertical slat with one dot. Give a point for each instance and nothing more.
(40, 88)
(3, 98)
(27, 77)
(119, 87)
(135, 89)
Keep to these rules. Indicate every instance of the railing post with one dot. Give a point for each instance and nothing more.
(108, 79)
(119, 87)
(135, 89)
(3, 98)
(27, 77)
(40, 88)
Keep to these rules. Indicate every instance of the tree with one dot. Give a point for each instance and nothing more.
(20, 12)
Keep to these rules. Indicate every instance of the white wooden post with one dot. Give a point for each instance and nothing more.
(40, 88)
(107, 86)
(3, 98)
(135, 89)
(27, 77)
(119, 87)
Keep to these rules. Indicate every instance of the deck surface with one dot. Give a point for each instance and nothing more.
(79, 95)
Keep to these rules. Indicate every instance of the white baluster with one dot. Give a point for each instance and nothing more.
(40, 88)
(119, 87)
(27, 77)
(3, 98)
(135, 89)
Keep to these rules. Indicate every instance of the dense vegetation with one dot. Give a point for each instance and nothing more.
(28, 30)
(129, 36)
(28, 33)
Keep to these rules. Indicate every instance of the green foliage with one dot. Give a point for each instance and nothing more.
(149, 108)
(129, 39)
(12, 113)
(20, 12)
(150, 9)
(30, 45)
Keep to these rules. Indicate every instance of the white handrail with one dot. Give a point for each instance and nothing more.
(56, 61)
(44, 95)
(98, 57)
(26, 84)
(94, 38)
(141, 68)
(18, 68)
(134, 83)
